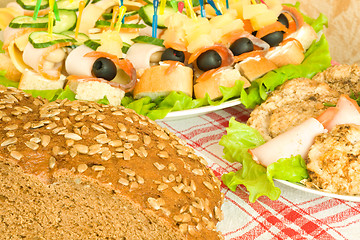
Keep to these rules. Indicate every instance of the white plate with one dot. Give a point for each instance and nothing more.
(302, 187)
(199, 111)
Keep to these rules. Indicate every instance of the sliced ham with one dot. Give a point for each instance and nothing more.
(10, 34)
(347, 111)
(139, 54)
(147, 31)
(296, 141)
(22, 11)
(37, 58)
(77, 64)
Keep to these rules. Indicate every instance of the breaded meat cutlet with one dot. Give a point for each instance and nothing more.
(343, 78)
(291, 104)
(333, 162)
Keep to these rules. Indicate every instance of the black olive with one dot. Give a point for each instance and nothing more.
(174, 55)
(273, 39)
(283, 19)
(208, 60)
(242, 45)
(254, 33)
(104, 68)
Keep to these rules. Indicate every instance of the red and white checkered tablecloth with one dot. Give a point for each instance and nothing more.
(295, 215)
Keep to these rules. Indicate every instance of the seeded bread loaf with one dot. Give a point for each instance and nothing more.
(80, 170)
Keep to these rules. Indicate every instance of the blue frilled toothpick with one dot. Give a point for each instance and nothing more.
(155, 19)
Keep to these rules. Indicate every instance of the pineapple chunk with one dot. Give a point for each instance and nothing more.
(111, 43)
(239, 7)
(223, 20)
(218, 33)
(5, 18)
(263, 19)
(126, 37)
(224, 24)
(203, 40)
(237, 24)
(175, 32)
(210, 12)
(275, 6)
(22, 41)
(176, 20)
(194, 29)
(249, 11)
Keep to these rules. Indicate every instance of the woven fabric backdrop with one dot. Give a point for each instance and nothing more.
(295, 215)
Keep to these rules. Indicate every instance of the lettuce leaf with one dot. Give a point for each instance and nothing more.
(1, 49)
(6, 82)
(236, 143)
(318, 23)
(51, 95)
(257, 179)
(177, 101)
(67, 94)
(291, 169)
(317, 59)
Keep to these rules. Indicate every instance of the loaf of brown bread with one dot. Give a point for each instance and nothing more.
(81, 170)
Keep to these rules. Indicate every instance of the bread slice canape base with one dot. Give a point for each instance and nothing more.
(95, 91)
(254, 67)
(226, 78)
(159, 80)
(31, 80)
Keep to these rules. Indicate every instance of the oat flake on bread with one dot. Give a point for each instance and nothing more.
(80, 170)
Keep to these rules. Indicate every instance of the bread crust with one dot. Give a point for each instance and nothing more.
(226, 78)
(159, 80)
(290, 53)
(111, 148)
(254, 67)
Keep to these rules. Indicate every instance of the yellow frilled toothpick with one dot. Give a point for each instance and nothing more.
(190, 10)
(162, 7)
(122, 11)
(81, 9)
(51, 17)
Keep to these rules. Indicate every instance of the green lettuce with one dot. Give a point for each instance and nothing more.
(6, 82)
(291, 169)
(1, 49)
(317, 59)
(318, 23)
(177, 101)
(257, 179)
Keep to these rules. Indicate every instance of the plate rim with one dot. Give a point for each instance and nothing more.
(200, 110)
(302, 187)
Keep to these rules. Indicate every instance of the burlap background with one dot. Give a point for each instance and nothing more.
(344, 22)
